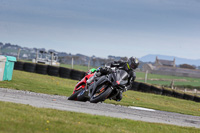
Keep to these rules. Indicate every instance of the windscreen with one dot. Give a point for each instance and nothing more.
(122, 77)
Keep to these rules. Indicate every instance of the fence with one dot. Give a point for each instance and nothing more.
(77, 75)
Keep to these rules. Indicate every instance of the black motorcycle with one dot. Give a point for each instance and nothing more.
(105, 87)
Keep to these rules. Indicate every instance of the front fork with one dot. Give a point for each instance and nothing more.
(88, 90)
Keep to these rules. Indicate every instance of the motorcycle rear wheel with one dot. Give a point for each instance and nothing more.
(74, 96)
(101, 97)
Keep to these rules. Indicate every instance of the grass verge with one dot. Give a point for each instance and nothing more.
(158, 102)
(40, 83)
(17, 118)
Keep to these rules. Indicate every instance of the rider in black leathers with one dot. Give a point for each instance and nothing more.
(129, 66)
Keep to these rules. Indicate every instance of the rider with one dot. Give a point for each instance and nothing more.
(129, 66)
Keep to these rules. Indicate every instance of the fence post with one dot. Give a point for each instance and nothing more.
(195, 91)
(52, 58)
(146, 76)
(89, 64)
(72, 63)
(18, 53)
(0, 50)
(172, 84)
(36, 59)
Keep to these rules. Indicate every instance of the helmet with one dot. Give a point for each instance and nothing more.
(92, 71)
(133, 63)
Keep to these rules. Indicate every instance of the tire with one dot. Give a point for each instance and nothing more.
(156, 90)
(64, 72)
(76, 75)
(74, 96)
(82, 96)
(178, 94)
(197, 99)
(82, 74)
(19, 65)
(102, 96)
(53, 71)
(135, 86)
(144, 87)
(41, 69)
(167, 92)
(29, 67)
(188, 97)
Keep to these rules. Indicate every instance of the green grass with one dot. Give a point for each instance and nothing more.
(17, 118)
(59, 86)
(77, 67)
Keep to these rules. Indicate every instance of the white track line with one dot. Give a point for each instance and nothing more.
(140, 108)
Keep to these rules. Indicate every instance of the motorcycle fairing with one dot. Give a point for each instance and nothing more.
(82, 83)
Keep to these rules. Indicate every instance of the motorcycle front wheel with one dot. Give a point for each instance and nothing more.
(101, 96)
(82, 96)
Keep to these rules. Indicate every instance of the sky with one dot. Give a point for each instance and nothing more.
(104, 27)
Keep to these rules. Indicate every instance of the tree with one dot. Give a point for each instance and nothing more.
(187, 66)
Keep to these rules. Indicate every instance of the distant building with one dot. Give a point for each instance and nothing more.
(168, 63)
(167, 67)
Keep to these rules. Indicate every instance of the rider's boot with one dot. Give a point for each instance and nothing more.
(119, 96)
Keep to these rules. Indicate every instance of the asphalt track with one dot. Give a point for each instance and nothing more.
(133, 113)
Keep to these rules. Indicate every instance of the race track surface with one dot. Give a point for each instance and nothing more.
(133, 113)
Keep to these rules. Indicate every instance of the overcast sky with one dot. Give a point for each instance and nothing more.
(104, 27)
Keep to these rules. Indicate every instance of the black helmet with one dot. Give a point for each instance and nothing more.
(133, 62)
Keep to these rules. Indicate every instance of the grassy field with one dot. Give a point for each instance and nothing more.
(166, 80)
(17, 118)
(59, 86)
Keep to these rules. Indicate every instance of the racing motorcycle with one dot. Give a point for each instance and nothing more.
(105, 87)
(80, 86)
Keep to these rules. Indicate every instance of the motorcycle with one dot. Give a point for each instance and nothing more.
(80, 86)
(105, 87)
